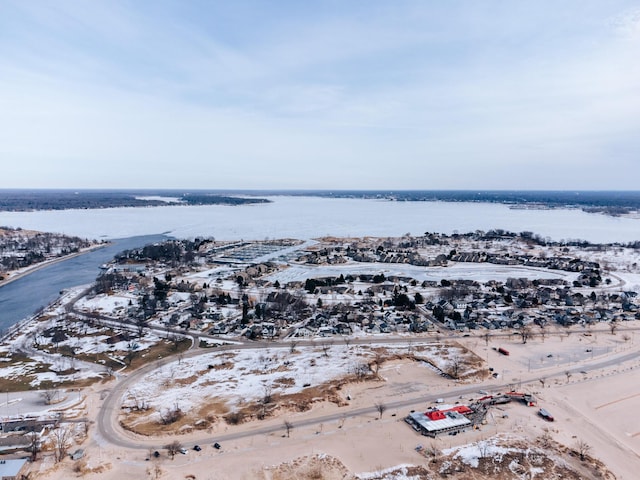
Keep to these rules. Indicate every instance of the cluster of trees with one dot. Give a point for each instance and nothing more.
(172, 252)
(28, 200)
(616, 200)
(109, 281)
(311, 284)
(19, 249)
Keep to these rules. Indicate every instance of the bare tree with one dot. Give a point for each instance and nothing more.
(175, 340)
(613, 326)
(542, 381)
(326, 346)
(61, 436)
(410, 346)
(487, 337)
(171, 415)
(378, 360)
(268, 393)
(347, 341)
(85, 427)
(132, 348)
(380, 408)
(173, 448)
(455, 367)
(483, 448)
(141, 325)
(569, 375)
(292, 346)
(543, 332)
(361, 370)
(267, 398)
(34, 445)
(434, 452)
(155, 471)
(288, 426)
(49, 395)
(525, 333)
(582, 448)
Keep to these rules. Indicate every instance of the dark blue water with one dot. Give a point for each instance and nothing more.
(23, 297)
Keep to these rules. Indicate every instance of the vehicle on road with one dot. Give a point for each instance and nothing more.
(546, 415)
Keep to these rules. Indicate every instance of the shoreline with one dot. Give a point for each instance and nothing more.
(18, 274)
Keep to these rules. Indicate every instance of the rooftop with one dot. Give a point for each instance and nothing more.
(11, 468)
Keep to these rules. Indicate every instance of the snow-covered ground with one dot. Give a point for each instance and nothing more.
(107, 304)
(234, 377)
(35, 340)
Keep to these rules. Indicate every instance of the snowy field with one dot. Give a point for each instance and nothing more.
(236, 377)
(107, 304)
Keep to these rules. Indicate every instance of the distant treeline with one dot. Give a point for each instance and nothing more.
(26, 200)
(609, 202)
(556, 198)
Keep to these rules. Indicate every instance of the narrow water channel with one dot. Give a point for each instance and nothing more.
(23, 297)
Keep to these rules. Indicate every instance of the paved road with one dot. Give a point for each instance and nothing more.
(111, 431)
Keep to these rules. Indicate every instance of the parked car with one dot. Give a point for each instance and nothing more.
(197, 448)
(546, 415)
(183, 451)
(216, 446)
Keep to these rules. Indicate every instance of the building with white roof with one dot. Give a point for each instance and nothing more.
(436, 422)
(12, 469)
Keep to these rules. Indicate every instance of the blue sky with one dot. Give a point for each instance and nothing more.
(328, 94)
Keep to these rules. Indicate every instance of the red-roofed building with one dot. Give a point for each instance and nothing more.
(435, 422)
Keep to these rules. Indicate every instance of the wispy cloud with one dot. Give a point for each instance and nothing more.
(333, 94)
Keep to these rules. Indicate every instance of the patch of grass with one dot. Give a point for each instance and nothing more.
(213, 407)
(185, 381)
(160, 350)
(22, 382)
(15, 384)
(140, 423)
(103, 358)
(221, 366)
(284, 381)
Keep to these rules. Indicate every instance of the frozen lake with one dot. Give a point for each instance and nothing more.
(310, 217)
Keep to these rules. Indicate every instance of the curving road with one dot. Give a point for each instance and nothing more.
(108, 425)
